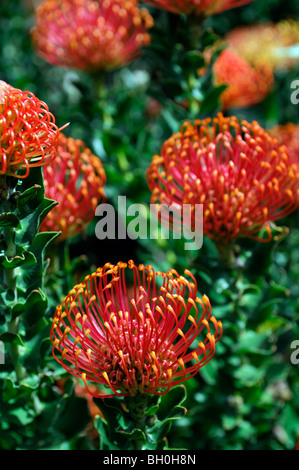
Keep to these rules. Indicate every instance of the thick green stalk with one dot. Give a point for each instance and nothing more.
(10, 283)
(100, 92)
(137, 407)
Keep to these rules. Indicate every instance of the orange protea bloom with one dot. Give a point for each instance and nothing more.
(240, 174)
(90, 35)
(28, 134)
(288, 135)
(264, 43)
(76, 181)
(247, 84)
(143, 342)
(197, 7)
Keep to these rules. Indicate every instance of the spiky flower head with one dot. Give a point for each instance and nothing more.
(28, 132)
(246, 84)
(241, 175)
(76, 180)
(266, 43)
(145, 340)
(90, 35)
(197, 7)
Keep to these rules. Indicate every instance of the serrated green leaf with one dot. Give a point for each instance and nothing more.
(135, 435)
(33, 307)
(31, 223)
(25, 259)
(8, 219)
(152, 410)
(11, 338)
(33, 278)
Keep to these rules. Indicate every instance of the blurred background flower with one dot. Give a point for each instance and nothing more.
(266, 43)
(247, 84)
(90, 35)
(76, 180)
(197, 7)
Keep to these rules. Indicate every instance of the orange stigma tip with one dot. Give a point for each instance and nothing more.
(63, 127)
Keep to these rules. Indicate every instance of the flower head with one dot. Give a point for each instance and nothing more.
(90, 35)
(240, 174)
(265, 43)
(197, 7)
(138, 342)
(28, 133)
(246, 84)
(76, 180)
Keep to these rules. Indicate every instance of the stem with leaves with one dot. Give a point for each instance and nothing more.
(139, 422)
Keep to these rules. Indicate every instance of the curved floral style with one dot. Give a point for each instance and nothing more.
(141, 342)
(90, 35)
(242, 176)
(28, 134)
(264, 43)
(197, 7)
(76, 180)
(246, 84)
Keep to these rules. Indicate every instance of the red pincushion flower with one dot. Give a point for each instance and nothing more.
(247, 84)
(240, 174)
(197, 7)
(28, 134)
(76, 180)
(140, 342)
(90, 35)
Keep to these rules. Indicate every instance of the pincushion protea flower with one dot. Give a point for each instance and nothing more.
(90, 35)
(76, 180)
(288, 135)
(241, 175)
(197, 7)
(139, 343)
(246, 84)
(28, 133)
(264, 43)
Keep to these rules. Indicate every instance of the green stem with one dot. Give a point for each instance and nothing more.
(137, 407)
(3, 188)
(196, 28)
(227, 255)
(10, 283)
(100, 92)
